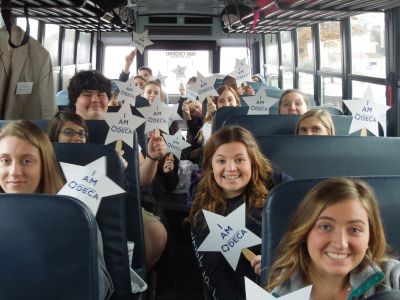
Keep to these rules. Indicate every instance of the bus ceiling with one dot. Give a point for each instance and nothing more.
(235, 16)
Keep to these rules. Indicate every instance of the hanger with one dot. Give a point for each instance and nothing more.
(6, 14)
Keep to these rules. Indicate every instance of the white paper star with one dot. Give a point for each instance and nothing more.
(242, 72)
(174, 116)
(122, 124)
(176, 143)
(228, 235)
(366, 112)
(141, 40)
(161, 77)
(259, 104)
(156, 115)
(190, 93)
(255, 292)
(89, 183)
(204, 86)
(179, 72)
(127, 91)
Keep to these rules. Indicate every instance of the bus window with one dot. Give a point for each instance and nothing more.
(228, 56)
(271, 65)
(287, 80)
(306, 83)
(331, 46)
(331, 92)
(83, 55)
(164, 61)
(305, 48)
(368, 44)
(69, 47)
(33, 26)
(287, 49)
(114, 60)
(51, 39)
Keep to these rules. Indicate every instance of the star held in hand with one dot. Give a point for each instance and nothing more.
(122, 124)
(366, 112)
(176, 143)
(259, 104)
(141, 40)
(157, 116)
(179, 72)
(228, 235)
(127, 91)
(204, 86)
(89, 183)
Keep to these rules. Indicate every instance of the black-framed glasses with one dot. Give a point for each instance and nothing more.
(71, 133)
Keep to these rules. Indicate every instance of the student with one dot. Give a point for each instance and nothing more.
(151, 91)
(67, 127)
(143, 71)
(139, 81)
(315, 122)
(335, 242)
(154, 231)
(234, 172)
(88, 94)
(293, 102)
(28, 164)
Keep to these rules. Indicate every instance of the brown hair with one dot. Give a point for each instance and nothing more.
(292, 254)
(209, 194)
(58, 121)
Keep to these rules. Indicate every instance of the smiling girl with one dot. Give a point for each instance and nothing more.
(335, 242)
(235, 172)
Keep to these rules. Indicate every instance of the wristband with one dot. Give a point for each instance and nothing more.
(154, 159)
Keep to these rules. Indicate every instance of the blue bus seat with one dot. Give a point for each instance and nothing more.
(40, 123)
(330, 156)
(48, 248)
(283, 200)
(97, 134)
(260, 125)
(112, 216)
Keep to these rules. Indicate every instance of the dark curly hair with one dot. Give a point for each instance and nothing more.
(87, 80)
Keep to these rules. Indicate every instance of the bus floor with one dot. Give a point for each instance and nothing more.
(176, 275)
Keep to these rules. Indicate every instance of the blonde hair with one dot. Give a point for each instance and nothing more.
(323, 116)
(292, 254)
(209, 195)
(51, 178)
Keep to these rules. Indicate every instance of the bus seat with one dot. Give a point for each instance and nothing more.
(48, 248)
(62, 98)
(40, 123)
(112, 217)
(385, 295)
(330, 156)
(283, 200)
(281, 125)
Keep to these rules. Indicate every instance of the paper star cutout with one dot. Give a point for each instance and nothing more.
(259, 104)
(89, 183)
(156, 115)
(174, 116)
(179, 72)
(242, 72)
(161, 77)
(204, 86)
(190, 93)
(141, 40)
(255, 292)
(122, 125)
(176, 143)
(127, 91)
(366, 112)
(228, 235)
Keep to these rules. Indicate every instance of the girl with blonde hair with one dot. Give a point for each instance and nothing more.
(315, 122)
